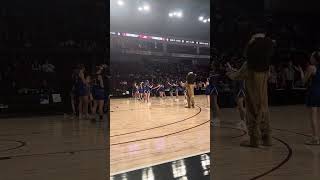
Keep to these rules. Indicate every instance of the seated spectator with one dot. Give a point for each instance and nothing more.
(36, 67)
(47, 67)
(44, 88)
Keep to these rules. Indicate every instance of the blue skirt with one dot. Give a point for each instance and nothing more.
(312, 99)
(98, 93)
(211, 90)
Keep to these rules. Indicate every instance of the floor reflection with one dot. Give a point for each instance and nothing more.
(193, 168)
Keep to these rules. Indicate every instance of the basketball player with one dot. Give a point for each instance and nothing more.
(255, 73)
(312, 78)
(190, 85)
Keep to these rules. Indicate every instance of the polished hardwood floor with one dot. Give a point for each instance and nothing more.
(52, 148)
(144, 135)
(288, 158)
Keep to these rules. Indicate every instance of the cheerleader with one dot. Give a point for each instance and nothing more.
(210, 90)
(162, 91)
(147, 91)
(73, 93)
(176, 89)
(312, 78)
(135, 90)
(141, 90)
(184, 89)
(213, 79)
(98, 96)
(239, 95)
(83, 92)
(173, 89)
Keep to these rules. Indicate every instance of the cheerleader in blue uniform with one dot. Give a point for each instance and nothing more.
(73, 93)
(156, 89)
(173, 89)
(161, 90)
(184, 90)
(312, 78)
(210, 90)
(83, 93)
(98, 93)
(176, 89)
(147, 91)
(141, 90)
(215, 109)
(135, 90)
(239, 95)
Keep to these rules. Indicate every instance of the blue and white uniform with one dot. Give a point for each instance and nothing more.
(313, 93)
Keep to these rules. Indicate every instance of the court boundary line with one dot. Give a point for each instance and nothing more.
(156, 127)
(283, 162)
(159, 163)
(51, 153)
(292, 132)
(166, 135)
(21, 144)
(233, 137)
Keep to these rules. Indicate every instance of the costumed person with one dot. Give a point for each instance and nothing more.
(255, 74)
(312, 78)
(190, 85)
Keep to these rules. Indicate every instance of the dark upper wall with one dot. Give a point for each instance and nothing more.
(293, 6)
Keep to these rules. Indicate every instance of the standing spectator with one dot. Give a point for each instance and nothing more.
(289, 75)
(273, 78)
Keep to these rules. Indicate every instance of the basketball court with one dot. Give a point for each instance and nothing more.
(144, 136)
(288, 158)
(52, 148)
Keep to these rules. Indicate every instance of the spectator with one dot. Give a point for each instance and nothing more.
(289, 75)
(47, 67)
(36, 67)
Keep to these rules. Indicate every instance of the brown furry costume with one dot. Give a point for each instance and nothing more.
(255, 73)
(190, 85)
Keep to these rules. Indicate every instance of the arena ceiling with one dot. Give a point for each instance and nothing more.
(127, 18)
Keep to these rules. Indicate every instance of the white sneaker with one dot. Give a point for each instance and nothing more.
(242, 125)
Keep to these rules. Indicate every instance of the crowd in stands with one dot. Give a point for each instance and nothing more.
(295, 37)
(125, 74)
(27, 73)
(128, 43)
